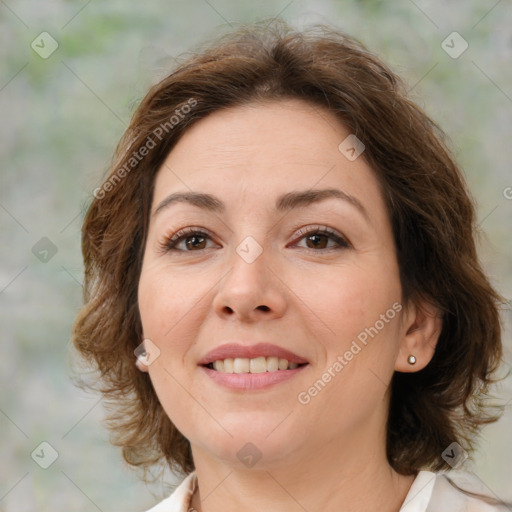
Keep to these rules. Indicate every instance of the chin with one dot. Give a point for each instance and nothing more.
(252, 447)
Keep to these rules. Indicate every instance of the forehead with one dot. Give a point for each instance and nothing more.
(258, 151)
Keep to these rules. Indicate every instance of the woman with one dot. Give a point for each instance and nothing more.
(283, 296)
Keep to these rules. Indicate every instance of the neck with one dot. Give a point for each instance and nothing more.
(349, 479)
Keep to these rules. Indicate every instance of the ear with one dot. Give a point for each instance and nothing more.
(142, 358)
(421, 326)
(141, 365)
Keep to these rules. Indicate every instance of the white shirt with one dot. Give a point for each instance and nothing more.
(429, 492)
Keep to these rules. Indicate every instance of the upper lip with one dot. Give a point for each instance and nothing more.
(234, 350)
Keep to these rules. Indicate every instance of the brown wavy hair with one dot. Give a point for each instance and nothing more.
(431, 211)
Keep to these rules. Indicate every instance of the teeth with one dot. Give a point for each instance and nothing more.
(241, 365)
(254, 365)
(273, 364)
(257, 365)
(220, 365)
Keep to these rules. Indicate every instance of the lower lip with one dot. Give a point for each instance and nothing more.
(251, 381)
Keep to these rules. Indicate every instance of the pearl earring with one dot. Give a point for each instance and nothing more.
(411, 359)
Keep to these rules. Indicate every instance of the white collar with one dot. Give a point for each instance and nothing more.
(419, 494)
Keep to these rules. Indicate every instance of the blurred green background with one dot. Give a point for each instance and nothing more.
(61, 116)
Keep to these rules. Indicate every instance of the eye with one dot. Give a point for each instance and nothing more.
(319, 237)
(194, 239)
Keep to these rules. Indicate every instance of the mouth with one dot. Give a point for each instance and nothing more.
(258, 367)
(241, 375)
(256, 358)
(260, 364)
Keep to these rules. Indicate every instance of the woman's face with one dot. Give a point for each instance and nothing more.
(256, 265)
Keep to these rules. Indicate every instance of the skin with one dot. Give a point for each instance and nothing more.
(330, 453)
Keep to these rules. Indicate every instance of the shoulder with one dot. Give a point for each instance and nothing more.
(179, 500)
(473, 495)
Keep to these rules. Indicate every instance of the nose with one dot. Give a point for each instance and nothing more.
(250, 291)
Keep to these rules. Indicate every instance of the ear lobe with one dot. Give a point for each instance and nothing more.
(142, 357)
(141, 365)
(422, 327)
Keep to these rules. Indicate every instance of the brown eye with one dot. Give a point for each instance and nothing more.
(318, 241)
(319, 238)
(194, 240)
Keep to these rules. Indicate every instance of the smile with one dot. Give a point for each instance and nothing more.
(253, 365)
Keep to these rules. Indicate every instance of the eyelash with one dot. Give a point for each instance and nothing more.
(169, 244)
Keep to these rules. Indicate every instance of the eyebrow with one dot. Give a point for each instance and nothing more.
(285, 202)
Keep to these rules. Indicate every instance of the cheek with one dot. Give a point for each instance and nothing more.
(361, 308)
(167, 310)
(347, 301)
(166, 298)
